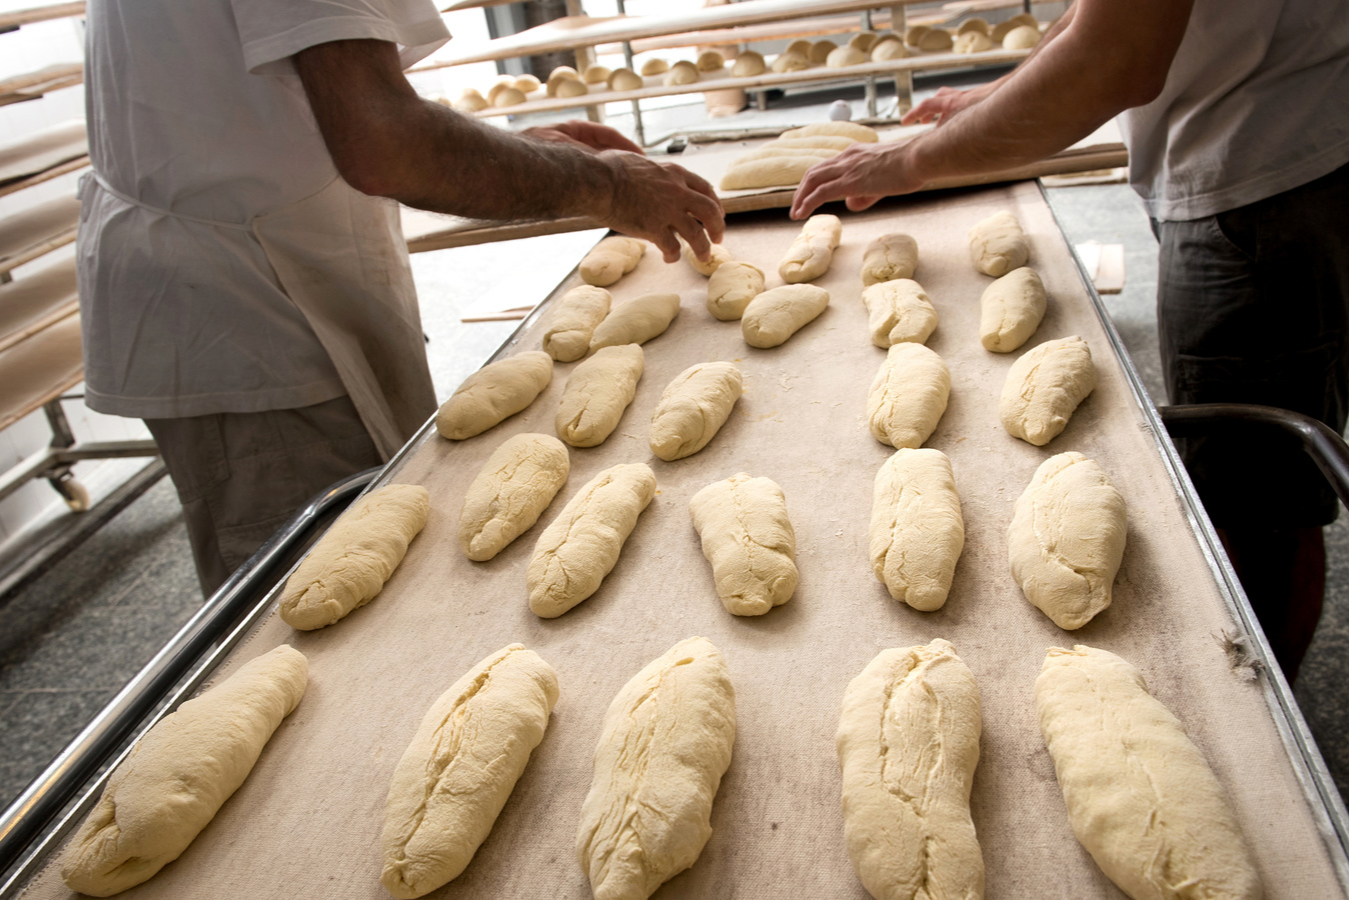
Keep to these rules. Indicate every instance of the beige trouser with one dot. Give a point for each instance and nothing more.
(241, 476)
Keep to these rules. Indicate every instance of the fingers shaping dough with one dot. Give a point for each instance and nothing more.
(1140, 796)
(573, 321)
(180, 774)
(811, 253)
(597, 393)
(998, 245)
(773, 171)
(1010, 310)
(888, 257)
(516, 484)
(693, 408)
(455, 777)
(611, 259)
(582, 544)
(749, 540)
(1067, 538)
(1043, 388)
(636, 321)
(908, 744)
(917, 531)
(717, 256)
(899, 311)
(731, 288)
(665, 743)
(348, 567)
(908, 396)
(834, 129)
(493, 394)
(775, 315)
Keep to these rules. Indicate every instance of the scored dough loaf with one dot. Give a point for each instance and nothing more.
(1044, 387)
(573, 320)
(998, 245)
(494, 393)
(179, 775)
(636, 321)
(908, 745)
(514, 486)
(692, 409)
(917, 531)
(772, 171)
(527, 84)
(1067, 539)
(717, 255)
(908, 396)
(611, 259)
(597, 393)
(888, 257)
(800, 45)
(1141, 798)
(790, 62)
(847, 55)
(1010, 310)
(470, 101)
(348, 566)
(731, 288)
(749, 540)
(664, 746)
(460, 768)
(899, 311)
(811, 253)
(775, 315)
(509, 97)
(834, 129)
(582, 544)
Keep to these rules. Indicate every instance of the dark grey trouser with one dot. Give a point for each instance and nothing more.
(240, 476)
(1253, 307)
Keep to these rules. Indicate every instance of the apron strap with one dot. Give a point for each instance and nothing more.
(130, 201)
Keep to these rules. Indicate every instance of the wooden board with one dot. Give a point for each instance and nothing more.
(32, 85)
(43, 150)
(19, 17)
(37, 230)
(40, 369)
(35, 301)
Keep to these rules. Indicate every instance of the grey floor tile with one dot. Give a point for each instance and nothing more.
(38, 726)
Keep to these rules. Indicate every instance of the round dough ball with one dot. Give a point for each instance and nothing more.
(1002, 28)
(682, 72)
(820, 50)
(508, 97)
(888, 49)
(790, 62)
(711, 61)
(501, 84)
(598, 75)
(863, 41)
(470, 101)
(973, 42)
(748, 63)
(527, 84)
(655, 67)
(975, 24)
(915, 34)
(843, 56)
(936, 40)
(559, 75)
(570, 87)
(801, 46)
(1022, 37)
(624, 80)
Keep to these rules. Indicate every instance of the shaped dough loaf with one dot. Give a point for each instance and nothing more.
(908, 744)
(917, 531)
(847, 55)
(908, 396)
(731, 288)
(936, 40)
(570, 87)
(348, 566)
(748, 64)
(973, 42)
(1010, 310)
(655, 67)
(790, 62)
(899, 311)
(774, 171)
(775, 315)
(664, 746)
(516, 483)
(636, 321)
(597, 393)
(888, 48)
(693, 408)
(627, 80)
(682, 72)
(749, 540)
(834, 129)
(1002, 29)
(611, 259)
(1067, 538)
(573, 321)
(998, 245)
(1044, 387)
(888, 257)
(811, 253)
(775, 151)
(1023, 37)
(710, 61)
(1141, 798)
(582, 544)
(179, 775)
(820, 50)
(494, 393)
(716, 256)
(457, 774)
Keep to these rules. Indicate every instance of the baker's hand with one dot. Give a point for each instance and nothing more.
(941, 106)
(583, 134)
(662, 202)
(862, 174)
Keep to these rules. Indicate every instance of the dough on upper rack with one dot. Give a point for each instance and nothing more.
(347, 568)
(834, 129)
(731, 288)
(748, 64)
(800, 45)
(636, 321)
(611, 259)
(749, 540)
(656, 66)
(494, 393)
(820, 50)
(973, 42)
(908, 745)
(888, 257)
(180, 773)
(908, 396)
(626, 80)
(790, 62)
(559, 75)
(1010, 310)
(571, 88)
(811, 253)
(1067, 539)
(863, 40)
(936, 40)
(914, 34)
(974, 23)
(470, 101)
(693, 408)
(597, 393)
(527, 84)
(1043, 388)
(899, 311)
(998, 245)
(717, 255)
(664, 746)
(773, 171)
(847, 55)
(889, 48)
(598, 75)
(1141, 798)
(775, 315)
(710, 61)
(917, 530)
(1023, 37)
(508, 97)
(682, 72)
(572, 321)
(515, 485)
(1002, 29)
(459, 770)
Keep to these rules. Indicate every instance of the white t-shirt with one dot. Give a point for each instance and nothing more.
(194, 109)
(1256, 103)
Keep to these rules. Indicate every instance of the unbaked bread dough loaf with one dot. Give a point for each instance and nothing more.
(1141, 798)
(775, 315)
(502, 83)
(559, 75)
(597, 393)
(1023, 37)
(1067, 538)
(773, 171)
(998, 245)
(811, 253)
(908, 396)
(717, 255)
(813, 142)
(1002, 29)
(571, 88)
(598, 75)
(572, 321)
(693, 408)
(509, 97)
(974, 23)
(748, 64)
(457, 774)
(908, 744)
(888, 257)
(710, 61)
(494, 393)
(863, 40)
(749, 540)
(973, 42)
(180, 774)
(820, 50)
(665, 744)
(582, 544)
(470, 101)
(527, 84)
(1010, 310)
(611, 259)
(347, 568)
(790, 62)
(731, 288)
(890, 47)
(936, 40)
(782, 150)
(917, 531)
(800, 45)
(515, 485)
(636, 321)
(834, 129)
(847, 55)
(626, 80)
(914, 34)
(682, 72)
(899, 311)
(1044, 387)
(655, 66)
